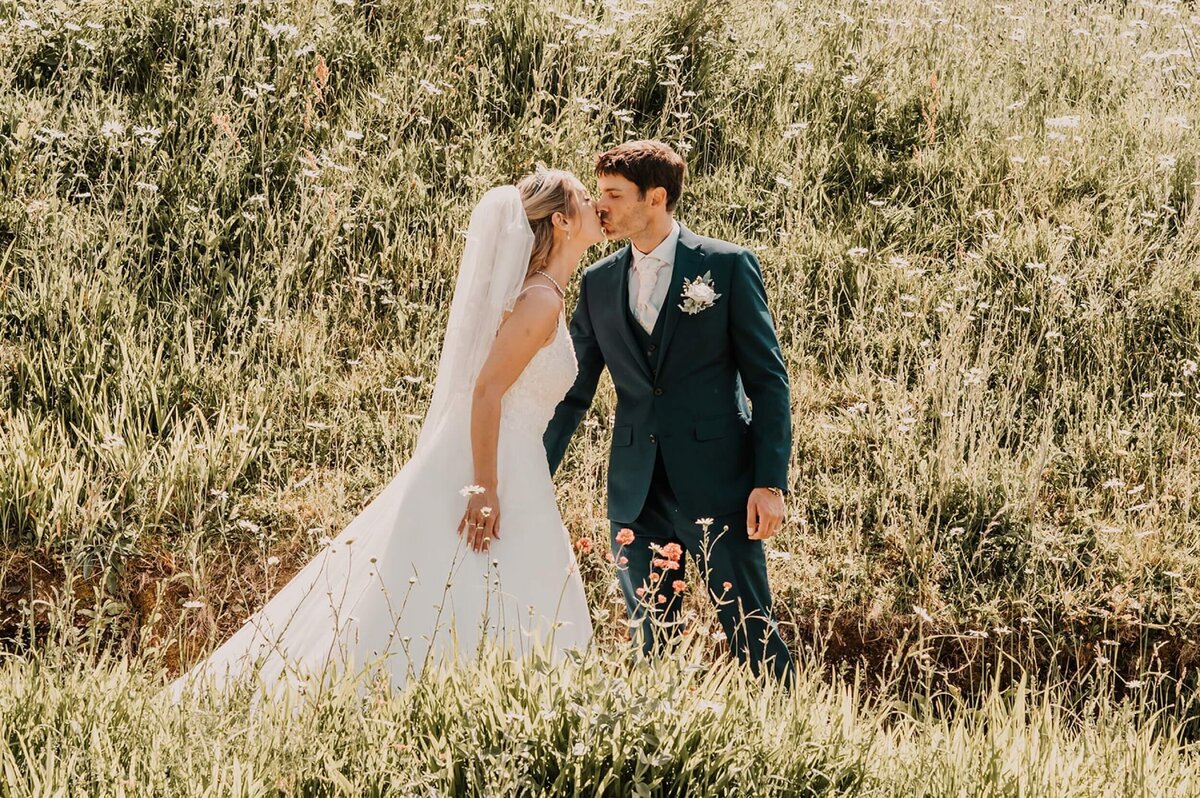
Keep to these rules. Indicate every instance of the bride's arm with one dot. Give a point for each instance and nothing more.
(531, 324)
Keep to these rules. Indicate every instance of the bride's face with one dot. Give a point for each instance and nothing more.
(590, 230)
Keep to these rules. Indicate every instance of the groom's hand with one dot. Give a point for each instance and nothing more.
(764, 514)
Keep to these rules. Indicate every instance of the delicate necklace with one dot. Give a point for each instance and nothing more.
(557, 287)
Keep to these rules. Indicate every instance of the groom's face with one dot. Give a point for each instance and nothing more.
(623, 211)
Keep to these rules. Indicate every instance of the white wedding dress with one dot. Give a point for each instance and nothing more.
(398, 589)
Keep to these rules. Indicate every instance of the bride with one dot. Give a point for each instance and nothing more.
(465, 545)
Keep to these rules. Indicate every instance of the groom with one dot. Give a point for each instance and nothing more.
(682, 324)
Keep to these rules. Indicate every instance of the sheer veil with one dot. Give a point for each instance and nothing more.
(493, 267)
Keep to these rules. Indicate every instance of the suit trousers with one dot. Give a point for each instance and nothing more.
(732, 570)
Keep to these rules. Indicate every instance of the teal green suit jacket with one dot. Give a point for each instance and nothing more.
(690, 401)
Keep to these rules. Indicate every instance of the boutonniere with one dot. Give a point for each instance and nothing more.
(699, 294)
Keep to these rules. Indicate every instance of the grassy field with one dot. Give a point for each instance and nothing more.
(593, 726)
(228, 235)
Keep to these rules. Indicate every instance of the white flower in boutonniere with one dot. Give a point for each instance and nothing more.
(699, 294)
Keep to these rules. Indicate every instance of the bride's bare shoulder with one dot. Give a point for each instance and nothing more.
(538, 308)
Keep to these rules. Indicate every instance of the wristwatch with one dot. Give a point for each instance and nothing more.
(777, 491)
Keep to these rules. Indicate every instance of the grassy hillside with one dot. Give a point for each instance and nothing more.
(592, 727)
(228, 236)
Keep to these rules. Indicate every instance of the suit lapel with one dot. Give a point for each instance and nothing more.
(619, 289)
(689, 264)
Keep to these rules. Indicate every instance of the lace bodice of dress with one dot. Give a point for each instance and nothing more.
(529, 403)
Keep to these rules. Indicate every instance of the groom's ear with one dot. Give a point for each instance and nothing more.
(657, 196)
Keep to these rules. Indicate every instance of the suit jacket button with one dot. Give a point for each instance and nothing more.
(658, 391)
(653, 439)
(652, 347)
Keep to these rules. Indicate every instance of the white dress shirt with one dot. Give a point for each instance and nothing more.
(652, 269)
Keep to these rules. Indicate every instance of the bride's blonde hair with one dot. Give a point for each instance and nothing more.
(545, 193)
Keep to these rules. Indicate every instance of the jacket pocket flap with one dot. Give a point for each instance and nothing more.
(719, 426)
(622, 435)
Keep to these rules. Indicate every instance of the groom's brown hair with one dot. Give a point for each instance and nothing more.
(646, 164)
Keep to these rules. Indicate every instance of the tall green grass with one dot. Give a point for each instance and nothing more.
(228, 235)
(597, 725)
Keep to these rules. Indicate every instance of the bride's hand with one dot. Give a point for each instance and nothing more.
(481, 521)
